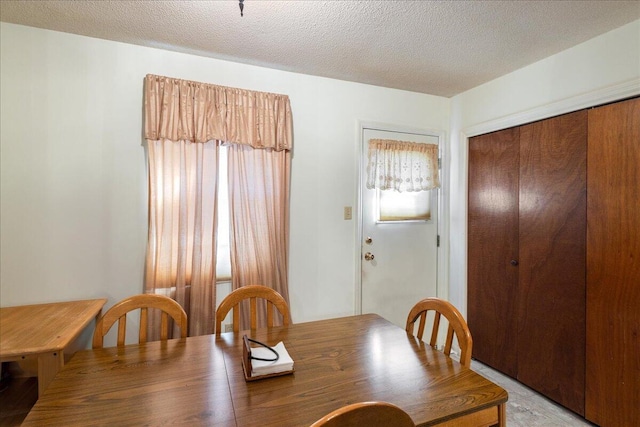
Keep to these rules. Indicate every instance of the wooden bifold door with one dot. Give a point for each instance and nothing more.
(613, 265)
(554, 258)
(526, 254)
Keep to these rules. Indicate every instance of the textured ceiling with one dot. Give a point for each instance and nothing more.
(436, 47)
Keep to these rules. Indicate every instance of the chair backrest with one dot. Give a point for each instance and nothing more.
(366, 414)
(252, 293)
(118, 313)
(457, 324)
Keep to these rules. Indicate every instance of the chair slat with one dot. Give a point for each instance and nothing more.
(434, 332)
(269, 314)
(144, 318)
(423, 322)
(164, 326)
(254, 313)
(449, 341)
(122, 330)
(236, 319)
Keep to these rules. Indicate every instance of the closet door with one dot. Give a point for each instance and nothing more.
(613, 265)
(552, 229)
(492, 246)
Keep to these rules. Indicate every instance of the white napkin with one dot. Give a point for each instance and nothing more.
(260, 367)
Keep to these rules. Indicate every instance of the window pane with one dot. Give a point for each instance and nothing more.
(406, 206)
(223, 252)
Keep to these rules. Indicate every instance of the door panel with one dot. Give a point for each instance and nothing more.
(552, 237)
(492, 245)
(613, 265)
(404, 268)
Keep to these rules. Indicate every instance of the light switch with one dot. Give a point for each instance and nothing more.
(347, 212)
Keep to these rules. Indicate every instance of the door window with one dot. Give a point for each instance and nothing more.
(394, 206)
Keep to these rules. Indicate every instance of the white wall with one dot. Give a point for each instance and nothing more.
(73, 177)
(600, 70)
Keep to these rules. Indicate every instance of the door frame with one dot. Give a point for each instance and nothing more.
(443, 223)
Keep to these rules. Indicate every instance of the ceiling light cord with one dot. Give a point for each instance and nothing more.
(241, 7)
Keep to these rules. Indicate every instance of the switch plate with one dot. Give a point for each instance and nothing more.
(347, 212)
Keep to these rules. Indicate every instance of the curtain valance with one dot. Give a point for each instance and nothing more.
(180, 110)
(402, 166)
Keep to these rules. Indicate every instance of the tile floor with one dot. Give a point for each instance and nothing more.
(525, 407)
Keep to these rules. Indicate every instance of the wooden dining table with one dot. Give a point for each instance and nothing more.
(42, 332)
(200, 380)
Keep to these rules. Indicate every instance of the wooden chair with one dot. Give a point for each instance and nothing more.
(366, 414)
(251, 292)
(118, 313)
(486, 417)
(457, 324)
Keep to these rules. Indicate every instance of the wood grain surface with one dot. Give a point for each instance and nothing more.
(38, 328)
(613, 265)
(199, 380)
(41, 333)
(552, 268)
(492, 246)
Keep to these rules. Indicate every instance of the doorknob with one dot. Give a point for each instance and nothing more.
(368, 240)
(369, 256)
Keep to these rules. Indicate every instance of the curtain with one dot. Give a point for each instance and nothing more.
(402, 166)
(185, 123)
(182, 110)
(259, 216)
(181, 250)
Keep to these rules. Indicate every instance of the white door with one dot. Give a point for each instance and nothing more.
(398, 258)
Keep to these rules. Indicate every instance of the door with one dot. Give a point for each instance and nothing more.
(552, 275)
(613, 265)
(398, 257)
(493, 248)
(526, 254)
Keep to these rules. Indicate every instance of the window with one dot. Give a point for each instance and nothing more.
(223, 251)
(407, 206)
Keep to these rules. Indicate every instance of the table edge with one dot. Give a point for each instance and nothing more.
(98, 304)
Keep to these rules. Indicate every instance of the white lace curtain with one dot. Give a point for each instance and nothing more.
(402, 166)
